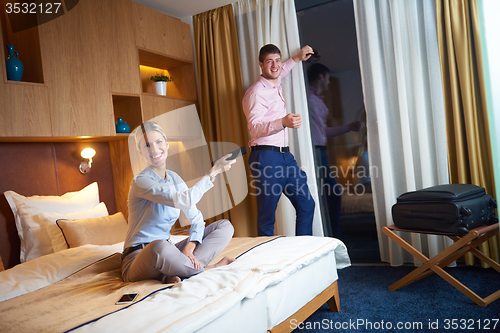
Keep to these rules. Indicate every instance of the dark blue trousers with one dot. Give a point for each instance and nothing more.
(275, 173)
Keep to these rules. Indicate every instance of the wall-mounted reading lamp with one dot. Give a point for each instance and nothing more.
(85, 166)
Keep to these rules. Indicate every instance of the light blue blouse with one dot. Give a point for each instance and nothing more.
(154, 205)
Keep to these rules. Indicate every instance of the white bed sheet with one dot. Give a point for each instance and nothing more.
(278, 302)
(48, 269)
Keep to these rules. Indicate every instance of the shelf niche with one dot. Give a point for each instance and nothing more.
(129, 109)
(152, 63)
(27, 44)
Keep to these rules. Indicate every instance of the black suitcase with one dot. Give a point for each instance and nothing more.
(452, 209)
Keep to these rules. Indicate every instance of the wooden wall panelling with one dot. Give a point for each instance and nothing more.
(153, 106)
(75, 70)
(87, 54)
(24, 110)
(122, 173)
(98, 56)
(121, 51)
(184, 84)
(164, 34)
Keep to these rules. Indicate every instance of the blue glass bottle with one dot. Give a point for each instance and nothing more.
(14, 66)
(121, 126)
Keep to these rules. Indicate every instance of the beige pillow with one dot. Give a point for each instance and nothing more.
(105, 230)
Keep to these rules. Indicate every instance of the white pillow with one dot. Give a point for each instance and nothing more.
(71, 202)
(85, 199)
(40, 233)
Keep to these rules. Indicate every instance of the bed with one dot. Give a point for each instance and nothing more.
(73, 283)
(54, 293)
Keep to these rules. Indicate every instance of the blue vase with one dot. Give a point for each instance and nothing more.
(14, 66)
(121, 126)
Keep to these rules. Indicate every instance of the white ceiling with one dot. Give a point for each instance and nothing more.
(183, 8)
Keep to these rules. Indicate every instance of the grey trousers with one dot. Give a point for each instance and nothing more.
(161, 257)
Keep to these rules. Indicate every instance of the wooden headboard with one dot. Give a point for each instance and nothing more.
(47, 168)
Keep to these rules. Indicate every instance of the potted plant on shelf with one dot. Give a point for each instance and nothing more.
(161, 83)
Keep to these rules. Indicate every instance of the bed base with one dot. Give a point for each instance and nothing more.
(330, 296)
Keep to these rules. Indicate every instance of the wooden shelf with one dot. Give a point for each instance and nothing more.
(26, 42)
(25, 83)
(117, 137)
(154, 105)
(148, 86)
(170, 97)
(161, 61)
(151, 63)
(127, 107)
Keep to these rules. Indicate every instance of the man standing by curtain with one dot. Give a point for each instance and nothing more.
(318, 76)
(273, 167)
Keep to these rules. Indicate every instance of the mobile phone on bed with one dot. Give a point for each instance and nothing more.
(127, 298)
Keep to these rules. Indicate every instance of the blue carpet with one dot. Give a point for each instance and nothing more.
(428, 305)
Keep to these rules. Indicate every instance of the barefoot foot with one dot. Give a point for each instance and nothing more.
(170, 279)
(224, 261)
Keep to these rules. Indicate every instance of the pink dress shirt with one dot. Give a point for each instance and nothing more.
(319, 112)
(264, 107)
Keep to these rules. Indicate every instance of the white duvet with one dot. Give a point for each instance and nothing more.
(191, 304)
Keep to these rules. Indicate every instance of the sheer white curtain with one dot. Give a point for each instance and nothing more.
(261, 22)
(402, 89)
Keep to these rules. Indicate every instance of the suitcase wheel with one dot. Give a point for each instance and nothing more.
(493, 220)
(465, 211)
(493, 202)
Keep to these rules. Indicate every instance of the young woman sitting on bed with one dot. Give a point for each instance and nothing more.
(156, 195)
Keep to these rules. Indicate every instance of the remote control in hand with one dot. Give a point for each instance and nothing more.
(234, 154)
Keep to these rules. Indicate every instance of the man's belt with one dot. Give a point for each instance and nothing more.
(131, 249)
(273, 148)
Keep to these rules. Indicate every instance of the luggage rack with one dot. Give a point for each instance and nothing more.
(462, 244)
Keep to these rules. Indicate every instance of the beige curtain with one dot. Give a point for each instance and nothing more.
(469, 147)
(220, 94)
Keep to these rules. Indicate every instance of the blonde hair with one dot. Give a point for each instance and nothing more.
(148, 126)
